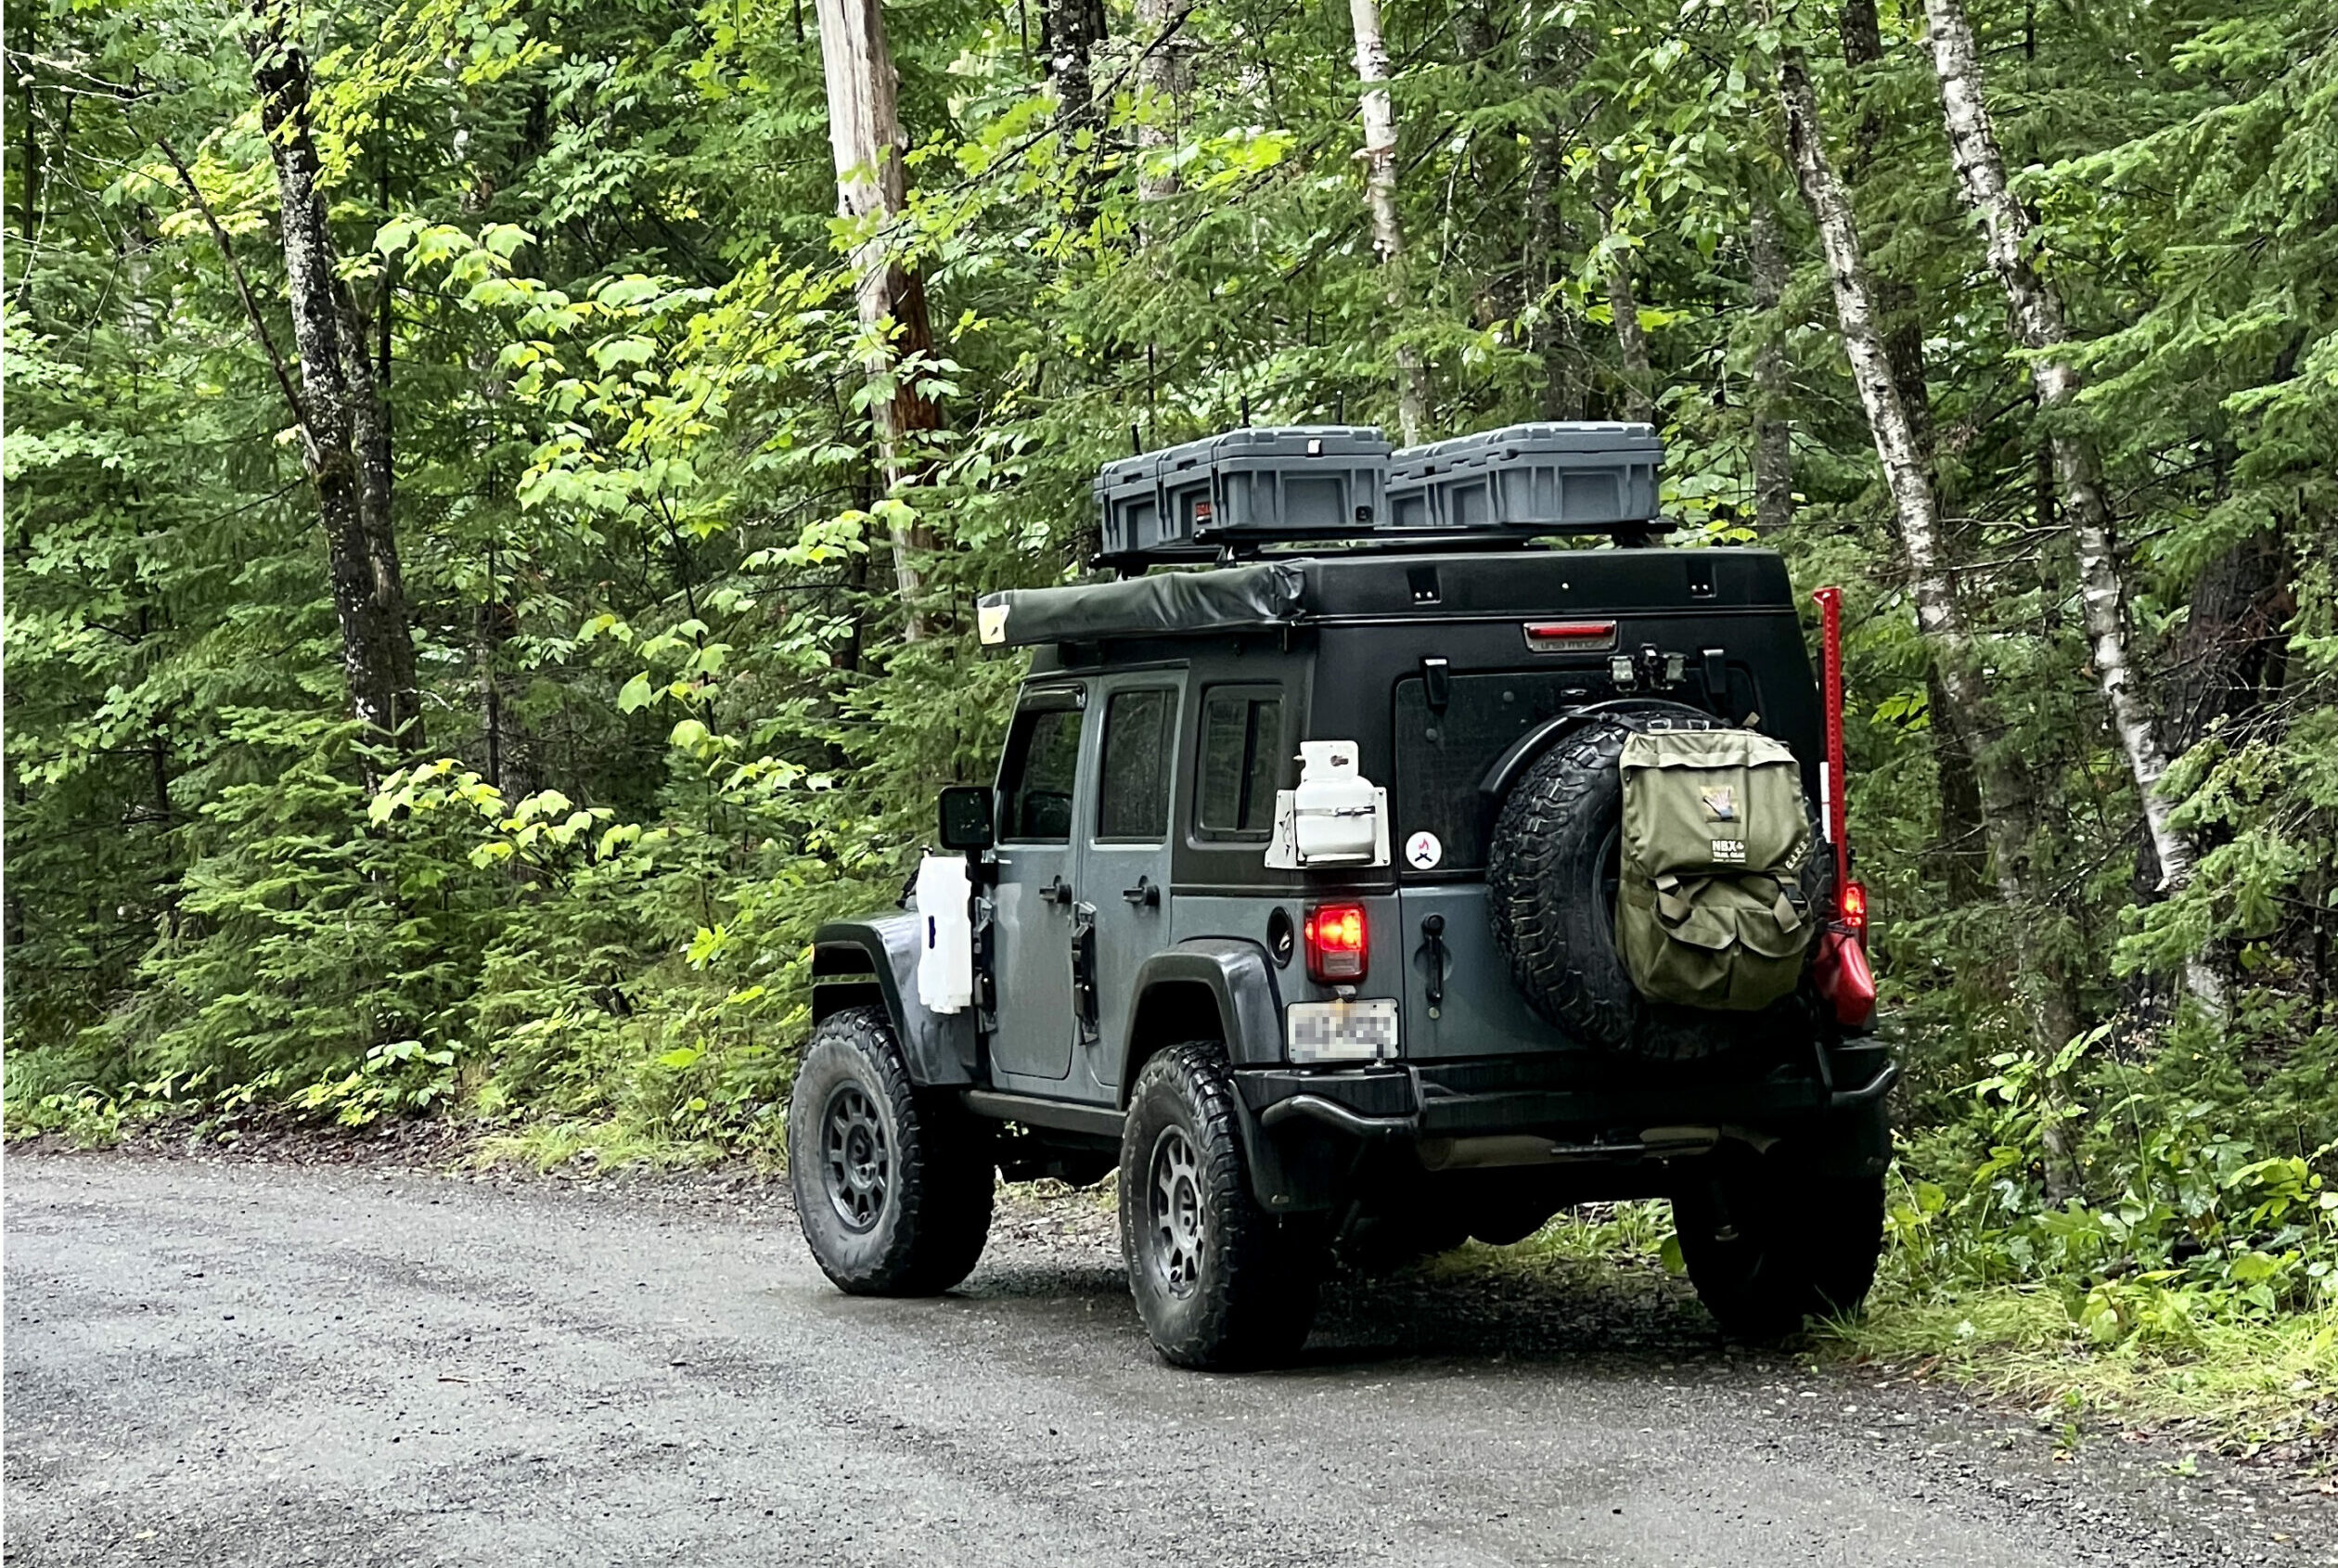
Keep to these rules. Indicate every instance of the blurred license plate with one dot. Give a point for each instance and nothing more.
(1335, 1031)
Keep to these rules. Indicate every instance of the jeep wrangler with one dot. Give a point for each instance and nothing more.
(1306, 895)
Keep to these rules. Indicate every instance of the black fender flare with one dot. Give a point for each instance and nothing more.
(873, 961)
(1238, 979)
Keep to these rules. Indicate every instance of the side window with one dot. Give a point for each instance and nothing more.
(1043, 761)
(1241, 757)
(1134, 802)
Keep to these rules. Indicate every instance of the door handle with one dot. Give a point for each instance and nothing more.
(1432, 939)
(1145, 895)
(1058, 890)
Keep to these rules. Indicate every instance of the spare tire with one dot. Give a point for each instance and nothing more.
(1552, 870)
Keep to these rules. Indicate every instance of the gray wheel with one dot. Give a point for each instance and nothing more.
(856, 1161)
(892, 1188)
(1173, 1211)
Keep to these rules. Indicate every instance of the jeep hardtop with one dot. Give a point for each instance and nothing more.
(1295, 901)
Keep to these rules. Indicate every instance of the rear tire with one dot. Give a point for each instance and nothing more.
(892, 1188)
(1219, 1282)
(1770, 1244)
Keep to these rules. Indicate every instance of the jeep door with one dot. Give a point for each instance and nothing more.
(1040, 799)
(1121, 915)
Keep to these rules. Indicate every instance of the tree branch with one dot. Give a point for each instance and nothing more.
(243, 288)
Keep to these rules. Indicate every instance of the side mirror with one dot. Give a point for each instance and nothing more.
(966, 817)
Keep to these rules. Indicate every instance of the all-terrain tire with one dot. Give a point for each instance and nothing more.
(1220, 1283)
(1551, 869)
(1771, 1243)
(892, 1188)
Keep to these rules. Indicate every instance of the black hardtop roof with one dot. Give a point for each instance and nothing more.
(1376, 585)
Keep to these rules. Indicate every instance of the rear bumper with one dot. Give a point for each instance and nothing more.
(1417, 1104)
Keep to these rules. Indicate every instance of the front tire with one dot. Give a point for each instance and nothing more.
(1218, 1281)
(1769, 1244)
(892, 1188)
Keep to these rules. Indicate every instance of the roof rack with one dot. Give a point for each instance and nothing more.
(1253, 492)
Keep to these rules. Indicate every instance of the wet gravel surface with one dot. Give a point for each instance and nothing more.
(235, 1362)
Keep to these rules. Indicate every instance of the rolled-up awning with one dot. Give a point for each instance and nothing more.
(1228, 599)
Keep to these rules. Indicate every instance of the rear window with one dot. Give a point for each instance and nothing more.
(1441, 756)
(1241, 761)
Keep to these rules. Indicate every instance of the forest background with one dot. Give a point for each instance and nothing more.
(495, 490)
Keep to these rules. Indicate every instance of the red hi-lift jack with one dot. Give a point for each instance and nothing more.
(1841, 967)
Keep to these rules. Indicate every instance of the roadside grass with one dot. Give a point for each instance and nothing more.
(2242, 1381)
(609, 1145)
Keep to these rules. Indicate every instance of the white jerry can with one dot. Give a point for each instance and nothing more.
(946, 951)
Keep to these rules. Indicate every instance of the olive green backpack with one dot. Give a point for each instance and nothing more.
(1711, 912)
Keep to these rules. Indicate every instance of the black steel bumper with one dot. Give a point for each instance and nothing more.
(1487, 1098)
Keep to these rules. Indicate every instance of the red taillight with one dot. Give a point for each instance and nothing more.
(1337, 944)
(1852, 906)
(1569, 636)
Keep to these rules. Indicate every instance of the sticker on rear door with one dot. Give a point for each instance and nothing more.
(1422, 851)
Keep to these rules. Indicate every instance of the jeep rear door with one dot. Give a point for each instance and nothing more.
(1120, 916)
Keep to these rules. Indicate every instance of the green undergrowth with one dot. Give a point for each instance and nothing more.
(2243, 1381)
(2189, 1346)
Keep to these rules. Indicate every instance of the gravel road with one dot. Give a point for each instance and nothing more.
(242, 1362)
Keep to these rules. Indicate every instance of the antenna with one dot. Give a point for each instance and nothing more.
(1136, 445)
(1246, 411)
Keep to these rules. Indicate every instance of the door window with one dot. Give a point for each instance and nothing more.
(1134, 802)
(1043, 763)
(1241, 756)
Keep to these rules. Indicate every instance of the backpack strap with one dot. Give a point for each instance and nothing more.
(1672, 897)
(1791, 908)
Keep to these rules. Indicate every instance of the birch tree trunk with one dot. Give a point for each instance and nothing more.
(2008, 813)
(344, 426)
(1163, 79)
(1380, 195)
(1959, 856)
(1773, 439)
(872, 192)
(1862, 35)
(1073, 29)
(2039, 324)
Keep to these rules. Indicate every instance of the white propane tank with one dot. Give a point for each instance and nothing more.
(1335, 808)
(945, 949)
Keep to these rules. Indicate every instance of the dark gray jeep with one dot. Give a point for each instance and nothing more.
(1401, 848)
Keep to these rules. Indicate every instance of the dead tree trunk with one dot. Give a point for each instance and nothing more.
(1380, 195)
(2039, 324)
(2009, 812)
(872, 193)
(1773, 438)
(344, 426)
(1555, 337)
(1631, 341)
